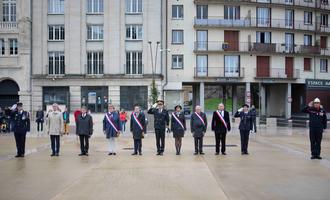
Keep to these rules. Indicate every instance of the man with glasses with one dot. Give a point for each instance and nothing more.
(161, 124)
(317, 123)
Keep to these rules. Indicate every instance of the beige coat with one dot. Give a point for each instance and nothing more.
(55, 125)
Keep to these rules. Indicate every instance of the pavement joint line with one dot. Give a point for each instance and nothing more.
(35, 150)
(324, 162)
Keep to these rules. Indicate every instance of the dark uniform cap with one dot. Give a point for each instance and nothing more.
(159, 100)
(19, 104)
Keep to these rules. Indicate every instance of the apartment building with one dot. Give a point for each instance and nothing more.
(275, 52)
(15, 52)
(95, 52)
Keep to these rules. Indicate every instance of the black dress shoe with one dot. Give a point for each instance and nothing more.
(114, 154)
(81, 154)
(224, 153)
(313, 157)
(319, 157)
(140, 153)
(134, 154)
(158, 154)
(17, 156)
(109, 154)
(195, 153)
(53, 154)
(161, 153)
(86, 154)
(56, 154)
(201, 153)
(216, 153)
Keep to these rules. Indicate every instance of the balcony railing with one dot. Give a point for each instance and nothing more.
(312, 3)
(134, 70)
(261, 23)
(219, 72)
(8, 26)
(277, 73)
(215, 46)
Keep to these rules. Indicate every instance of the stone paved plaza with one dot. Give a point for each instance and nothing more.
(278, 167)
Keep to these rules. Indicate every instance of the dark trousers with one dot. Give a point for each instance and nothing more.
(160, 140)
(254, 124)
(84, 143)
(198, 144)
(244, 140)
(20, 143)
(55, 143)
(315, 136)
(40, 126)
(220, 137)
(137, 145)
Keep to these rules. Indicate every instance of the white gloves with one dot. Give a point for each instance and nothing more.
(240, 110)
(155, 105)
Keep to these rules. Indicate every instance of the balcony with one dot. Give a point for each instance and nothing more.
(260, 23)
(257, 48)
(218, 72)
(276, 73)
(297, 3)
(8, 27)
(134, 70)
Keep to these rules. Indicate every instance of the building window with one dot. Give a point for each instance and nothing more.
(134, 32)
(232, 64)
(263, 17)
(134, 62)
(2, 46)
(201, 65)
(94, 62)
(177, 36)
(56, 32)
(308, 40)
(324, 20)
(289, 42)
(263, 37)
(13, 49)
(307, 64)
(95, 32)
(232, 12)
(308, 18)
(133, 6)
(55, 6)
(56, 63)
(289, 18)
(177, 11)
(202, 11)
(94, 6)
(9, 10)
(324, 65)
(325, 2)
(177, 61)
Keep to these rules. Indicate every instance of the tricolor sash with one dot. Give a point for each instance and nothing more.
(222, 119)
(177, 120)
(202, 120)
(137, 121)
(110, 120)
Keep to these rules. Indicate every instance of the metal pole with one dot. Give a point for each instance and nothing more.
(152, 60)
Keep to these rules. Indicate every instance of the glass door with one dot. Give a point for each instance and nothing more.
(232, 66)
(201, 65)
(202, 40)
(289, 42)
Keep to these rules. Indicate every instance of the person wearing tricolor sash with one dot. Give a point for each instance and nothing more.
(220, 125)
(111, 128)
(178, 127)
(138, 125)
(198, 124)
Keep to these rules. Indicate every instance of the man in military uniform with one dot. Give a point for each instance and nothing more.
(21, 125)
(161, 124)
(317, 123)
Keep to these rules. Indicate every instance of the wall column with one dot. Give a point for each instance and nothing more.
(201, 95)
(288, 102)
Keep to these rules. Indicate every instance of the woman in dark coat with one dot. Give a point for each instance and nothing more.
(178, 127)
(245, 126)
(138, 125)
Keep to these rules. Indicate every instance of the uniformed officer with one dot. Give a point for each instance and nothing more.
(21, 125)
(178, 127)
(317, 123)
(220, 126)
(198, 126)
(161, 124)
(245, 126)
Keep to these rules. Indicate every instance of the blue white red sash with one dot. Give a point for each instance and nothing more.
(177, 120)
(111, 122)
(202, 120)
(137, 121)
(222, 119)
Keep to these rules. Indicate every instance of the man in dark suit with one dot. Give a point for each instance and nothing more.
(138, 124)
(84, 129)
(21, 125)
(161, 123)
(245, 126)
(317, 123)
(198, 126)
(220, 126)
